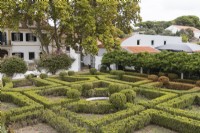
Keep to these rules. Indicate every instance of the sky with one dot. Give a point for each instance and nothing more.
(158, 10)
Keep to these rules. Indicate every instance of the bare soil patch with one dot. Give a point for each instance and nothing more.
(154, 129)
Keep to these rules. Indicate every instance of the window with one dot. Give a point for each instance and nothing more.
(152, 42)
(30, 37)
(165, 42)
(31, 55)
(68, 49)
(138, 42)
(21, 55)
(17, 36)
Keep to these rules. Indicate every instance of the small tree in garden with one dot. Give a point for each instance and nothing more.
(118, 100)
(54, 62)
(12, 65)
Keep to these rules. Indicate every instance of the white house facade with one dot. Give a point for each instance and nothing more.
(150, 40)
(176, 28)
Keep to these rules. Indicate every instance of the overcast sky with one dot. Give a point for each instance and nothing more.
(157, 10)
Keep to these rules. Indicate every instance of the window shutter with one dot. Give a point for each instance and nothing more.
(35, 39)
(21, 36)
(27, 37)
(12, 34)
(1, 37)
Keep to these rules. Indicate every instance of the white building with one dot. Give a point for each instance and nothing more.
(150, 40)
(176, 28)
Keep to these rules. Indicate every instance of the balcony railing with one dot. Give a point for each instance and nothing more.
(6, 43)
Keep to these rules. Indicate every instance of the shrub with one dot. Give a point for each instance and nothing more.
(73, 94)
(85, 88)
(12, 65)
(103, 68)
(153, 77)
(77, 87)
(113, 88)
(70, 73)
(54, 62)
(29, 76)
(198, 83)
(130, 95)
(43, 76)
(172, 76)
(164, 80)
(93, 71)
(119, 73)
(62, 74)
(161, 74)
(118, 100)
(91, 93)
(5, 80)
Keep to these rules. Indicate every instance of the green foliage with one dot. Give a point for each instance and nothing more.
(153, 77)
(172, 76)
(118, 57)
(103, 68)
(184, 38)
(164, 80)
(12, 65)
(119, 73)
(188, 21)
(94, 107)
(118, 100)
(29, 76)
(198, 83)
(73, 94)
(93, 71)
(113, 88)
(62, 75)
(6, 80)
(55, 62)
(77, 87)
(130, 95)
(43, 76)
(85, 88)
(71, 73)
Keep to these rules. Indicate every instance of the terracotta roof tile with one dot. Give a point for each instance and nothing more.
(140, 49)
(186, 27)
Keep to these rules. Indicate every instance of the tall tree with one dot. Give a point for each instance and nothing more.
(78, 22)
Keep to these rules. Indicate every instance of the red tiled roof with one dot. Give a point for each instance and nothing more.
(186, 27)
(140, 49)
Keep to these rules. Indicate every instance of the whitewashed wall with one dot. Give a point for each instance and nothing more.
(145, 40)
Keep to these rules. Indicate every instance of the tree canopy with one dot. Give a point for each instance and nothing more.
(73, 22)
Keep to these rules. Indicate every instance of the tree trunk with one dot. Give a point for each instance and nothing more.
(182, 75)
(141, 70)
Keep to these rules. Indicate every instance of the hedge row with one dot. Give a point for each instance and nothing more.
(37, 96)
(39, 84)
(129, 124)
(136, 74)
(155, 96)
(176, 105)
(93, 107)
(174, 122)
(159, 85)
(24, 102)
(94, 126)
(61, 124)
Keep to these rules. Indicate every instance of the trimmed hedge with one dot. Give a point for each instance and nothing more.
(22, 101)
(118, 100)
(130, 95)
(113, 88)
(94, 107)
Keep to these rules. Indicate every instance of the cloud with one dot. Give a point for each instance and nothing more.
(158, 10)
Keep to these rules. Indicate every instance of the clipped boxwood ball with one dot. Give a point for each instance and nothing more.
(73, 94)
(118, 100)
(130, 95)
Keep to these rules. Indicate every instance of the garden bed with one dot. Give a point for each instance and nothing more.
(4, 106)
(154, 129)
(37, 128)
(141, 98)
